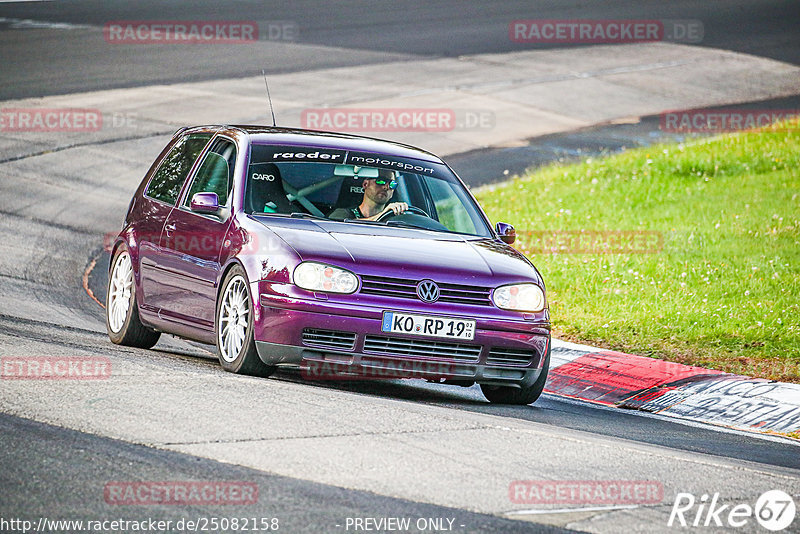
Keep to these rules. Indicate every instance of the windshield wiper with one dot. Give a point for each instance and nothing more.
(299, 215)
(365, 221)
(404, 224)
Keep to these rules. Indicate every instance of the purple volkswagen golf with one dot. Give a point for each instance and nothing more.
(344, 256)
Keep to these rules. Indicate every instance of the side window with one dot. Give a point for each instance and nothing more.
(449, 206)
(215, 174)
(168, 179)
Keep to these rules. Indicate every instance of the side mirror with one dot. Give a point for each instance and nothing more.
(205, 203)
(506, 232)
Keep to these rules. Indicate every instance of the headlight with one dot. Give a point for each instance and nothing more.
(519, 297)
(320, 277)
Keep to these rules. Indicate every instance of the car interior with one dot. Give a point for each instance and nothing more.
(318, 189)
(265, 192)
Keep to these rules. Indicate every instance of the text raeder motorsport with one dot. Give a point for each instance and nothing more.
(353, 159)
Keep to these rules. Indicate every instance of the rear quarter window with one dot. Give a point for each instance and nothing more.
(171, 174)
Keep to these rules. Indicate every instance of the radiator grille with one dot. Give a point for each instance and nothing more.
(396, 346)
(329, 339)
(510, 356)
(407, 289)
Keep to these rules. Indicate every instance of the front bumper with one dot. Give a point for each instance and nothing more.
(336, 343)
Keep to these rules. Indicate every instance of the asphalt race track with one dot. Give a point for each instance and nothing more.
(320, 455)
(338, 35)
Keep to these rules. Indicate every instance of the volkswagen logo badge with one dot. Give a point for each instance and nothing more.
(428, 291)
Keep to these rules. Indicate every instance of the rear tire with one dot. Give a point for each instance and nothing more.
(122, 314)
(233, 327)
(526, 395)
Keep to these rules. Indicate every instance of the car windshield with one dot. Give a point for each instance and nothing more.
(328, 183)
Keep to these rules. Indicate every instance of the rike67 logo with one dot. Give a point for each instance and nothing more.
(774, 510)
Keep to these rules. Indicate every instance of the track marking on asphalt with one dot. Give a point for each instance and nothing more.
(30, 24)
(85, 280)
(679, 420)
(61, 148)
(323, 436)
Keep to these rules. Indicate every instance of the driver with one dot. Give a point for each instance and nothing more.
(377, 194)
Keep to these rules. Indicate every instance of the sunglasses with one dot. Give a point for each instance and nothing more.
(381, 181)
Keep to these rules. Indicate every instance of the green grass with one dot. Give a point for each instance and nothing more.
(723, 292)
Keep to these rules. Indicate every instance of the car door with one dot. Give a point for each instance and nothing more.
(191, 242)
(160, 197)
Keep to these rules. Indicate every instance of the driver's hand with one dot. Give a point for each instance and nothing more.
(396, 207)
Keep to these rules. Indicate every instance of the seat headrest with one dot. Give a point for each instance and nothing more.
(265, 190)
(351, 192)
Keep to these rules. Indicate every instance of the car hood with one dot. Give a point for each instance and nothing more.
(404, 252)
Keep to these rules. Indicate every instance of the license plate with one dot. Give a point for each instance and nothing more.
(428, 325)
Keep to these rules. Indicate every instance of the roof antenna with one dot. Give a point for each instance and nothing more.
(269, 97)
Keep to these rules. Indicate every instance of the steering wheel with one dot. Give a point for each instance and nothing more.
(411, 209)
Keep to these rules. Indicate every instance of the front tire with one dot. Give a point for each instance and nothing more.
(122, 314)
(236, 347)
(523, 396)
